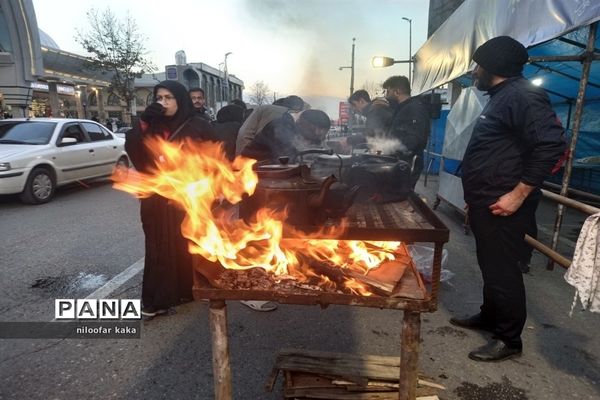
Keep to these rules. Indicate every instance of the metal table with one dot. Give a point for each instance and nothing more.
(408, 221)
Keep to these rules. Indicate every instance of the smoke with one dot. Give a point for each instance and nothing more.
(387, 145)
(311, 35)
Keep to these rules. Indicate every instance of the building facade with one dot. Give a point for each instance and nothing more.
(38, 79)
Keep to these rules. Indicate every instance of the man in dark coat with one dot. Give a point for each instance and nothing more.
(199, 100)
(262, 115)
(167, 279)
(410, 123)
(377, 112)
(228, 123)
(515, 143)
(286, 137)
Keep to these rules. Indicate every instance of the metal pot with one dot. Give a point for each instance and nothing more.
(381, 178)
(307, 199)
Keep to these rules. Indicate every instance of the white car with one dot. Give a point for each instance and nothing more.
(38, 155)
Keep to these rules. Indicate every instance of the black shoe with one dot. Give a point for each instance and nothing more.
(151, 311)
(474, 322)
(495, 350)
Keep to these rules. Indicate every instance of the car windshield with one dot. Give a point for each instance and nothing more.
(26, 132)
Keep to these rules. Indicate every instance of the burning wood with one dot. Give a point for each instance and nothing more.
(198, 176)
(317, 276)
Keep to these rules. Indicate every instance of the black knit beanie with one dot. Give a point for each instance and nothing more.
(502, 56)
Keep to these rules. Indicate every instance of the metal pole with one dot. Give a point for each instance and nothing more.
(409, 48)
(352, 69)
(581, 58)
(225, 75)
(585, 74)
(410, 67)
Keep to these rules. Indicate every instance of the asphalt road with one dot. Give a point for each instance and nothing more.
(86, 236)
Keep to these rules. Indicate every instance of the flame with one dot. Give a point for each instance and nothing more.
(201, 180)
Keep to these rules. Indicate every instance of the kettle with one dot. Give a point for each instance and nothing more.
(307, 200)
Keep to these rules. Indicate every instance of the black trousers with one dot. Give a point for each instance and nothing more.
(500, 243)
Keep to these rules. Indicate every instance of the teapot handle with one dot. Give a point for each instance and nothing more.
(313, 151)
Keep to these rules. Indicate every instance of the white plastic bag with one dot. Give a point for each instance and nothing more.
(423, 258)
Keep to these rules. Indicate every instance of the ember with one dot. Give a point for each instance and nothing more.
(200, 179)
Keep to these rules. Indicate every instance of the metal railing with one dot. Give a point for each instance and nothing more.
(553, 255)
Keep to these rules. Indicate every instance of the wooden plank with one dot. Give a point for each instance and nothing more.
(410, 286)
(271, 380)
(340, 364)
(409, 354)
(390, 272)
(303, 380)
(337, 394)
(220, 350)
(391, 385)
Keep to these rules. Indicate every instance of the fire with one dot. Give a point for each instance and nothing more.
(200, 179)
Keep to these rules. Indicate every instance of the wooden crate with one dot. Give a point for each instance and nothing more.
(341, 376)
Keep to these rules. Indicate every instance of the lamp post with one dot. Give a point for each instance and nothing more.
(382, 61)
(226, 83)
(221, 80)
(409, 48)
(351, 69)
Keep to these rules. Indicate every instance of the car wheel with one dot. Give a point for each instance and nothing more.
(121, 169)
(39, 188)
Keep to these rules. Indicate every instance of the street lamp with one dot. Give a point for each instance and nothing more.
(409, 48)
(351, 67)
(226, 83)
(381, 61)
(221, 80)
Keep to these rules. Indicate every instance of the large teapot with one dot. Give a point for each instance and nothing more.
(308, 200)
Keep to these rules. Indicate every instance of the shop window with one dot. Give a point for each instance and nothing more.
(5, 42)
(113, 100)
(93, 101)
(141, 98)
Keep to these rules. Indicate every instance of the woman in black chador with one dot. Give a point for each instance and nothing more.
(168, 265)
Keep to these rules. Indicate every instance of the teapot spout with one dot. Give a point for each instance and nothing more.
(317, 200)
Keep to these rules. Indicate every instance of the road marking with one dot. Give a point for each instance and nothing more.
(117, 281)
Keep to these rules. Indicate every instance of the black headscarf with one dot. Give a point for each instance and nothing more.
(185, 107)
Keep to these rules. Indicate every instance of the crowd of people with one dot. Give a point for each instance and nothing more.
(515, 143)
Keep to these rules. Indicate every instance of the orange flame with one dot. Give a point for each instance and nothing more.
(199, 178)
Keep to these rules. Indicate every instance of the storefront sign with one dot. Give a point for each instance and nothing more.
(39, 86)
(62, 89)
(45, 87)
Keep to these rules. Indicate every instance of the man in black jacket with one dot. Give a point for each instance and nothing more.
(199, 100)
(410, 123)
(377, 112)
(515, 143)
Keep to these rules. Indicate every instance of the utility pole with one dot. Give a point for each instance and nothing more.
(409, 48)
(352, 70)
(351, 67)
(225, 74)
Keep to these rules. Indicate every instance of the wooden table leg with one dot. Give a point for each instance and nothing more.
(409, 355)
(220, 349)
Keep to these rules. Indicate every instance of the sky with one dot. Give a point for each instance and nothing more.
(294, 46)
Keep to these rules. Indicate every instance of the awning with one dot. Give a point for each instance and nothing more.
(447, 53)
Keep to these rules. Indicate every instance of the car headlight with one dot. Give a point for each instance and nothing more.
(4, 166)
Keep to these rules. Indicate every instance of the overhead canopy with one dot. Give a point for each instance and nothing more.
(447, 54)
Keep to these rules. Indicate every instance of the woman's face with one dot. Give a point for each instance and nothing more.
(166, 99)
